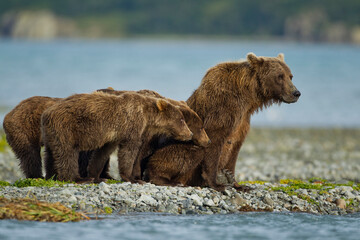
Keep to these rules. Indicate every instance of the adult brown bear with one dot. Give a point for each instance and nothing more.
(228, 95)
(102, 122)
(22, 129)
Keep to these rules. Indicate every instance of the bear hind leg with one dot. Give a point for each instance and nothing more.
(30, 162)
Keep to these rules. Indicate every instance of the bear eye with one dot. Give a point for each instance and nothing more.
(291, 77)
(281, 76)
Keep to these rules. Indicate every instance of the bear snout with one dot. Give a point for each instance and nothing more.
(297, 93)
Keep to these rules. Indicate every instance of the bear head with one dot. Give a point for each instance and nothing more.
(171, 121)
(195, 124)
(274, 78)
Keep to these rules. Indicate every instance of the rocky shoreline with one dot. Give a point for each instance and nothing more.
(268, 155)
(125, 198)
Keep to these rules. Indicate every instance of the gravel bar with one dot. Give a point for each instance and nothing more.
(267, 155)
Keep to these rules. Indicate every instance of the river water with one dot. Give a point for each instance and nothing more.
(326, 75)
(203, 227)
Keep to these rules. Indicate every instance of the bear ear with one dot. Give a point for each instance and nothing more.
(110, 88)
(254, 60)
(161, 104)
(281, 57)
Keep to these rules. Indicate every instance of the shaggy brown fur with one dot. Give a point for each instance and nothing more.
(22, 129)
(225, 100)
(151, 143)
(102, 122)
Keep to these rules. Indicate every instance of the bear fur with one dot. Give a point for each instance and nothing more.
(228, 95)
(153, 142)
(101, 122)
(22, 128)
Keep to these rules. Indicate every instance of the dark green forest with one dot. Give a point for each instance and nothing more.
(313, 20)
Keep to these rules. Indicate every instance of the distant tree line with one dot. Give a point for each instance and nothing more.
(314, 20)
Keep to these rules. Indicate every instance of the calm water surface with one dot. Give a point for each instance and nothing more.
(326, 75)
(155, 226)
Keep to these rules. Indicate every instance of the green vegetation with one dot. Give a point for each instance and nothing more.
(33, 210)
(321, 185)
(252, 182)
(108, 210)
(314, 20)
(113, 181)
(39, 182)
(3, 143)
(4, 184)
(318, 184)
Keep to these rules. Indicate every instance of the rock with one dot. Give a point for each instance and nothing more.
(172, 208)
(268, 201)
(66, 192)
(340, 203)
(209, 203)
(238, 200)
(161, 208)
(329, 199)
(72, 199)
(227, 192)
(197, 200)
(349, 194)
(104, 187)
(147, 199)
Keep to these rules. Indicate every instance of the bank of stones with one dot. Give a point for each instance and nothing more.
(127, 198)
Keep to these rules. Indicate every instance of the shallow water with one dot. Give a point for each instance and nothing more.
(326, 75)
(158, 226)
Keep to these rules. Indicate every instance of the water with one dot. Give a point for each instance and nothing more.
(167, 227)
(326, 75)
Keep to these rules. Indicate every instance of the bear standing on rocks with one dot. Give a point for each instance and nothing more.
(102, 122)
(153, 142)
(225, 100)
(22, 128)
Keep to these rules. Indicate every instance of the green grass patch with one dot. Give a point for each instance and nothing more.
(252, 182)
(321, 185)
(3, 143)
(4, 184)
(113, 181)
(108, 210)
(290, 181)
(39, 182)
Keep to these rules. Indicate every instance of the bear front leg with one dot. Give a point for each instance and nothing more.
(49, 164)
(210, 166)
(127, 154)
(66, 163)
(99, 160)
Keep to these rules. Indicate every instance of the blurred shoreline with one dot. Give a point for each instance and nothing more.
(46, 25)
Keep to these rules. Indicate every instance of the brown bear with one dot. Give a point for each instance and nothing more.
(102, 122)
(228, 95)
(22, 129)
(153, 142)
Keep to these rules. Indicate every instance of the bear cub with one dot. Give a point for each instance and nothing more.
(102, 122)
